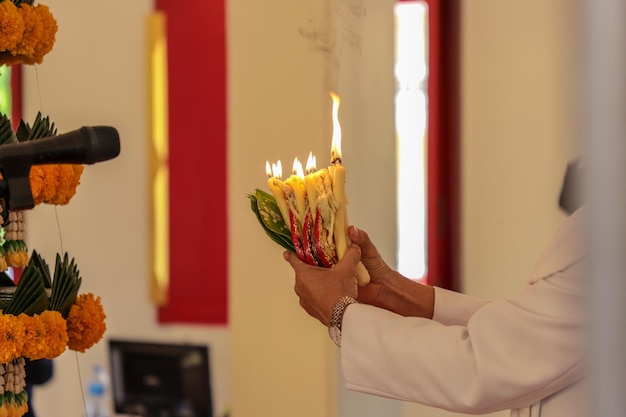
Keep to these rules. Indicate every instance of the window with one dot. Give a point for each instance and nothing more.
(411, 71)
(427, 125)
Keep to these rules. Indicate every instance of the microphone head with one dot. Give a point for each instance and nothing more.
(103, 143)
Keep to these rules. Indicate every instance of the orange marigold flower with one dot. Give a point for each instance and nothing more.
(56, 333)
(11, 26)
(50, 181)
(78, 171)
(11, 337)
(64, 191)
(85, 322)
(36, 182)
(48, 32)
(34, 337)
(32, 31)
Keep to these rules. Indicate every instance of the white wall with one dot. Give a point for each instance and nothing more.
(274, 359)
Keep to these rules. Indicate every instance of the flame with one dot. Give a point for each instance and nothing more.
(275, 171)
(335, 150)
(297, 168)
(311, 164)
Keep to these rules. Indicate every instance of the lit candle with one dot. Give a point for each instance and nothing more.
(309, 182)
(296, 182)
(274, 183)
(338, 172)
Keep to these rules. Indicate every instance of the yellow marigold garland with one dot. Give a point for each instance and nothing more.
(85, 322)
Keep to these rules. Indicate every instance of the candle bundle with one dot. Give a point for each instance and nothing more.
(306, 213)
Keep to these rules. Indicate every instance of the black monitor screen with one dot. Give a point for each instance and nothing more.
(160, 380)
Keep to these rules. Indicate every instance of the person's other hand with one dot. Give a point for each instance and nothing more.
(388, 288)
(319, 289)
(380, 273)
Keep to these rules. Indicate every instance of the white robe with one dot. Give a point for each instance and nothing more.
(525, 353)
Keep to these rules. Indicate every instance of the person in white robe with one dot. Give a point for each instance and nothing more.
(413, 342)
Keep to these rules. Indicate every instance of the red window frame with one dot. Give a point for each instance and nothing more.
(443, 194)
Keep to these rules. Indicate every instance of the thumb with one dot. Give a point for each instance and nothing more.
(292, 259)
(351, 258)
(370, 256)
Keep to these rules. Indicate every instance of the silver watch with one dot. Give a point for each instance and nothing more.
(334, 327)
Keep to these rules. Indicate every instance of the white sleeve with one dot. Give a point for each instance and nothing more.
(511, 353)
(455, 308)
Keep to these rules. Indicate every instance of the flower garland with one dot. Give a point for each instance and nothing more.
(27, 32)
(38, 325)
(45, 316)
(47, 335)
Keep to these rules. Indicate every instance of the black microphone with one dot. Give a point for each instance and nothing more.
(86, 145)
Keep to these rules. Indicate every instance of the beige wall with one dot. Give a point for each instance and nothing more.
(96, 76)
(274, 360)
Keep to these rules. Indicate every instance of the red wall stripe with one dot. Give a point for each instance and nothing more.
(443, 195)
(196, 37)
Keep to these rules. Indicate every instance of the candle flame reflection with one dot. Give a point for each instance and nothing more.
(335, 151)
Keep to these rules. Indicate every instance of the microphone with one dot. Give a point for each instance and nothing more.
(86, 145)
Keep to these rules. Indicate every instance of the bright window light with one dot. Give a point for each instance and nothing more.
(411, 71)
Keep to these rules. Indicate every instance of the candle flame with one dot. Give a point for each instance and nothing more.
(277, 170)
(268, 169)
(335, 150)
(311, 164)
(297, 168)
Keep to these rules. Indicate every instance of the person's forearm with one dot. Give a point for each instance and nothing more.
(407, 297)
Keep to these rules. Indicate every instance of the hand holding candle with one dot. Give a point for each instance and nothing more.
(312, 207)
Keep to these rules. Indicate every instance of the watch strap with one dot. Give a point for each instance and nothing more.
(334, 327)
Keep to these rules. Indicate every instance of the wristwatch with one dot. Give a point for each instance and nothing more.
(334, 327)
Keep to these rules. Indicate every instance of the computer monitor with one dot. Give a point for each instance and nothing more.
(160, 380)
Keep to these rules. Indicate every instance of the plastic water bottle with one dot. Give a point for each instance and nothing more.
(96, 401)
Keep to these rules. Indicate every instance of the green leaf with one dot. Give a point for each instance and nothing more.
(268, 214)
(65, 285)
(30, 295)
(42, 128)
(6, 130)
(43, 267)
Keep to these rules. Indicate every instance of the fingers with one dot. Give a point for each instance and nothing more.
(352, 256)
(369, 254)
(361, 238)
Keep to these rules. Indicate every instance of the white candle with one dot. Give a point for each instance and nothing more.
(338, 172)
(274, 184)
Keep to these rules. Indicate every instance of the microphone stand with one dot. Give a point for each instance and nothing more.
(15, 191)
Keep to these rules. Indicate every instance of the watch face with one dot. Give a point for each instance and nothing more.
(335, 335)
